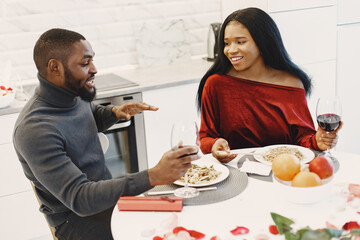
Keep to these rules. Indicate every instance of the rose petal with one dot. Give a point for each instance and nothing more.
(196, 234)
(215, 238)
(240, 231)
(170, 222)
(351, 225)
(273, 229)
(183, 235)
(354, 189)
(330, 225)
(178, 229)
(262, 236)
(157, 238)
(148, 232)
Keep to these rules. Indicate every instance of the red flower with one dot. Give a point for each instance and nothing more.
(240, 230)
(2, 88)
(273, 229)
(214, 238)
(193, 233)
(178, 229)
(158, 238)
(354, 189)
(350, 225)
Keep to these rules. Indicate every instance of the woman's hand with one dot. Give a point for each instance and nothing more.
(126, 111)
(222, 145)
(326, 140)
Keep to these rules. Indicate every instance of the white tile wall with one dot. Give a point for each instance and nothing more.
(107, 24)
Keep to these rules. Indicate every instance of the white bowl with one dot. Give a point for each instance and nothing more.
(7, 99)
(303, 195)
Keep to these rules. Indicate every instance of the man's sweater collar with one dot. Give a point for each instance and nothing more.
(55, 95)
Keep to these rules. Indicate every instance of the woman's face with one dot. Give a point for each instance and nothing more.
(240, 47)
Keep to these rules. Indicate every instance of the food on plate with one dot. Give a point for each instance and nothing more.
(201, 174)
(285, 166)
(306, 179)
(322, 167)
(273, 152)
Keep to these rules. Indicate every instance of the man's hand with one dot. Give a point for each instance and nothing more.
(172, 166)
(126, 111)
(326, 140)
(222, 145)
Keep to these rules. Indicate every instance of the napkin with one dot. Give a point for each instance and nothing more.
(162, 204)
(255, 168)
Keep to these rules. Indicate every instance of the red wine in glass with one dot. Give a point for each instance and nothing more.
(328, 116)
(329, 121)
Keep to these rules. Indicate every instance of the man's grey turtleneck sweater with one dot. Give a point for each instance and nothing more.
(56, 140)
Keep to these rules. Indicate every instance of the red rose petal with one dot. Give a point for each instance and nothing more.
(354, 189)
(2, 88)
(196, 234)
(351, 225)
(178, 229)
(240, 231)
(215, 238)
(330, 225)
(193, 233)
(273, 229)
(158, 238)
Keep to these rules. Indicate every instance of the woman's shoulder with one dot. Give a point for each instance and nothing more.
(286, 79)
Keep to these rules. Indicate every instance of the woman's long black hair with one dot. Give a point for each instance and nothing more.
(267, 37)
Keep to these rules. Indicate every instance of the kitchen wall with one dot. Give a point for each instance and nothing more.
(111, 26)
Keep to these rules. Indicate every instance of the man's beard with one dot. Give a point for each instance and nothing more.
(85, 95)
(82, 92)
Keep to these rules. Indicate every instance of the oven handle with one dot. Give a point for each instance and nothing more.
(120, 125)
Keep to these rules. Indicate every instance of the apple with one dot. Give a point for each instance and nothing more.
(322, 167)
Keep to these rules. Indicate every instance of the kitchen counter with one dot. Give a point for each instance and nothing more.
(147, 79)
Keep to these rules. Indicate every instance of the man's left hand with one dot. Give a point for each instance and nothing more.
(126, 111)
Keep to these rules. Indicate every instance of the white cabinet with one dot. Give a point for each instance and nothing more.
(348, 11)
(174, 103)
(348, 83)
(20, 217)
(309, 35)
(6, 127)
(12, 178)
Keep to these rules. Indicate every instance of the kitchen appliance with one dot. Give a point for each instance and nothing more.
(126, 152)
(212, 41)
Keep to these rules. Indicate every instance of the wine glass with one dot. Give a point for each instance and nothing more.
(185, 133)
(328, 116)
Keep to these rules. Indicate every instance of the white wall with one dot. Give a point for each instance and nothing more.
(107, 24)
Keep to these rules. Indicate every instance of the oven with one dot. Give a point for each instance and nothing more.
(127, 147)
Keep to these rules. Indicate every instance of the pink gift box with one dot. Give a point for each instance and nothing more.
(162, 204)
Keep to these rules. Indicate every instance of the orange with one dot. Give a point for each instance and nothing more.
(306, 179)
(285, 166)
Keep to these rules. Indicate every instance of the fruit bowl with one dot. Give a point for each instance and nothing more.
(7, 96)
(303, 195)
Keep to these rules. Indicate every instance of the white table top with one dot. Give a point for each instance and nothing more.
(250, 209)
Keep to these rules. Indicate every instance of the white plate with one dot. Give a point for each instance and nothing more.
(217, 166)
(308, 154)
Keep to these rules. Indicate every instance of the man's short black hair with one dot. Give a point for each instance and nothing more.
(55, 43)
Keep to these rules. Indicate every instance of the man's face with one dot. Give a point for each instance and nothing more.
(80, 71)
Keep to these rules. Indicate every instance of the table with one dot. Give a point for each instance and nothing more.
(250, 209)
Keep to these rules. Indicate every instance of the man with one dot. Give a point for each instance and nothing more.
(55, 138)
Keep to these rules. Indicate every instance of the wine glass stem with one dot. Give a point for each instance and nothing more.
(186, 180)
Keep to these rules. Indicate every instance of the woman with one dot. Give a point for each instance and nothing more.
(254, 95)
